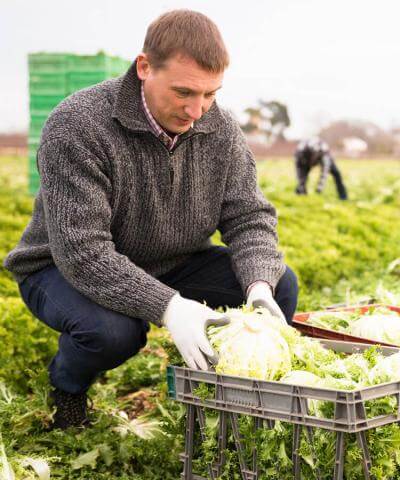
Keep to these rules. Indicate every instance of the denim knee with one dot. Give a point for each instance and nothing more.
(286, 294)
(290, 282)
(113, 339)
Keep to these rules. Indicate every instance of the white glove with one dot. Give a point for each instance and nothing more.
(260, 295)
(187, 321)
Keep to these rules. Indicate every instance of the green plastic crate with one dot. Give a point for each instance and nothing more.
(79, 80)
(33, 173)
(33, 144)
(88, 63)
(44, 104)
(36, 124)
(171, 382)
(33, 170)
(34, 178)
(44, 83)
(32, 157)
(48, 62)
(94, 63)
(54, 76)
(118, 66)
(34, 185)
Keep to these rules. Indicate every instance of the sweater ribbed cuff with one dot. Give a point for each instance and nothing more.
(247, 276)
(155, 303)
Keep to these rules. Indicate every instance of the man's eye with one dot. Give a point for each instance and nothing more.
(210, 95)
(182, 94)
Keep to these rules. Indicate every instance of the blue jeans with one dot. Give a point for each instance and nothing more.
(94, 339)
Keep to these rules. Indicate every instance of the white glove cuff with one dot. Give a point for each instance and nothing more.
(173, 305)
(259, 288)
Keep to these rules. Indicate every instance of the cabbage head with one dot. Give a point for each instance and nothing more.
(387, 369)
(251, 345)
(382, 327)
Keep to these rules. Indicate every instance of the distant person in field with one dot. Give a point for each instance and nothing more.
(137, 173)
(310, 153)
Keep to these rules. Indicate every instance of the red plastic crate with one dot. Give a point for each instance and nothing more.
(300, 321)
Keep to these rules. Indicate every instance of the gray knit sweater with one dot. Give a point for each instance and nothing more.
(116, 209)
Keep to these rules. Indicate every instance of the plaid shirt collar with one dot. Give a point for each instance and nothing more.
(158, 131)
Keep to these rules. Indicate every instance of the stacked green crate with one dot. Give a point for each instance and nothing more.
(85, 70)
(47, 87)
(52, 77)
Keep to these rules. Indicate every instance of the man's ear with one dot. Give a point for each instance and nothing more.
(142, 66)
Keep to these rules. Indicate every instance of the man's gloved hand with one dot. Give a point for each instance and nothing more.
(260, 295)
(187, 321)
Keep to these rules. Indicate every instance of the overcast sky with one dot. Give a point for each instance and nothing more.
(326, 59)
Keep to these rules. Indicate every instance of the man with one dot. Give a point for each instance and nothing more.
(313, 152)
(136, 175)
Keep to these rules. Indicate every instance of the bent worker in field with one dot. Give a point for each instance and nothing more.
(136, 174)
(310, 153)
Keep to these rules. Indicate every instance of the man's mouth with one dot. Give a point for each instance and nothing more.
(183, 121)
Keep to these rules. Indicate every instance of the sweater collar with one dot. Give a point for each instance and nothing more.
(128, 108)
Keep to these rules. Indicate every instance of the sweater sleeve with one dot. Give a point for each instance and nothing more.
(76, 195)
(248, 221)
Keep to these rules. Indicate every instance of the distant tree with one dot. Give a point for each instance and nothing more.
(254, 121)
(270, 118)
(278, 116)
(377, 139)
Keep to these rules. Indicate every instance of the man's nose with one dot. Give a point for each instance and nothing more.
(195, 109)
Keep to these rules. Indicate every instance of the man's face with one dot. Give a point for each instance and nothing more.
(178, 93)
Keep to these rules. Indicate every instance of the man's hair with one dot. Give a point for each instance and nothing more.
(187, 33)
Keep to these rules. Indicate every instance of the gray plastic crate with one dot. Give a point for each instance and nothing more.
(267, 401)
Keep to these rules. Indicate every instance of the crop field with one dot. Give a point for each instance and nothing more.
(341, 252)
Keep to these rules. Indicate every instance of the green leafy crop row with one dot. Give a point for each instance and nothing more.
(339, 251)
